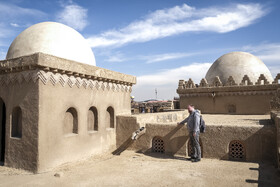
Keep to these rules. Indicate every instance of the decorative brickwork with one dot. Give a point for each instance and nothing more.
(61, 79)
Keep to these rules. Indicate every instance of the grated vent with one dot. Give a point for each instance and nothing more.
(158, 145)
(236, 150)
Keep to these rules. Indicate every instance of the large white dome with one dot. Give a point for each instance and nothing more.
(238, 64)
(54, 39)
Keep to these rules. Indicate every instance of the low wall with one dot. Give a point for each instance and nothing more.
(126, 125)
(258, 139)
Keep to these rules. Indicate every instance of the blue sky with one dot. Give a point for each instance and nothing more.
(159, 41)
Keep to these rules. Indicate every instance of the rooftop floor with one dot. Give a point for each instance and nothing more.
(135, 169)
(237, 120)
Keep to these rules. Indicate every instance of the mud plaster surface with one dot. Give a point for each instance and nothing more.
(135, 169)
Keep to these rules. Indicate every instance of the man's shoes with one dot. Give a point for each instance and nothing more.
(196, 160)
(191, 158)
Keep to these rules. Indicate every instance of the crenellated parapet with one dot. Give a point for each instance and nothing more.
(246, 82)
(203, 83)
(190, 84)
(217, 82)
(231, 88)
(230, 81)
(57, 71)
(277, 79)
(262, 80)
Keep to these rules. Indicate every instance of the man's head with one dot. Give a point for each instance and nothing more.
(190, 108)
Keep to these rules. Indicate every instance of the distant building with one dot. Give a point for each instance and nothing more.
(236, 83)
(151, 106)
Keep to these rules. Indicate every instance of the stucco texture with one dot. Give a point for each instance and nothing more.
(257, 134)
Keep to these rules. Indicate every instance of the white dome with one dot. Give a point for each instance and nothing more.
(54, 39)
(238, 64)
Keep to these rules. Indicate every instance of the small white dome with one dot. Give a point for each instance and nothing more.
(54, 39)
(238, 64)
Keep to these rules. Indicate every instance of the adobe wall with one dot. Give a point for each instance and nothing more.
(257, 135)
(16, 91)
(232, 98)
(46, 87)
(222, 104)
(126, 125)
(275, 116)
(64, 89)
(55, 147)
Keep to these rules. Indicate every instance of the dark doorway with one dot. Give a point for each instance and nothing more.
(2, 130)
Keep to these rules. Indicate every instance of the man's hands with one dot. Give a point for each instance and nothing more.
(179, 123)
(194, 134)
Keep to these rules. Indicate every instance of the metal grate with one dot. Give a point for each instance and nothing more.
(236, 150)
(190, 150)
(158, 145)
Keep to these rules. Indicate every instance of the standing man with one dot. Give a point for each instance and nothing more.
(193, 121)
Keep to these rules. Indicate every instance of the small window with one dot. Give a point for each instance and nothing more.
(278, 81)
(71, 121)
(231, 109)
(17, 122)
(246, 82)
(158, 145)
(92, 119)
(110, 117)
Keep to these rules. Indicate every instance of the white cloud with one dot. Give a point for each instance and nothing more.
(181, 19)
(268, 52)
(166, 81)
(167, 56)
(10, 10)
(117, 57)
(14, 24)
(74, 16)
(14, 16)
(120, 57)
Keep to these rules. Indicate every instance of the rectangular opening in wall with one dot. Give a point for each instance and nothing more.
(2, 130)
(16, 123)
